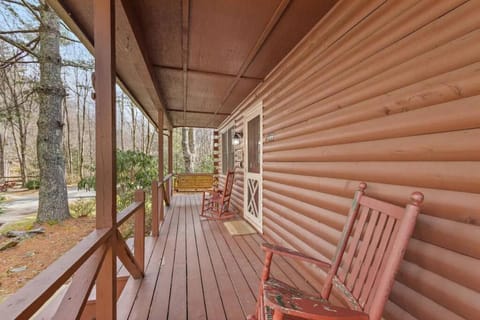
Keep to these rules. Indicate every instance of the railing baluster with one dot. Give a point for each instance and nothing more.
(139, 234)
(155, 207)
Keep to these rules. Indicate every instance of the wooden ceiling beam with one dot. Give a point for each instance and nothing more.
(204, 72)
(130, 12)
(277, 14)
(185, 52)
(199, 112)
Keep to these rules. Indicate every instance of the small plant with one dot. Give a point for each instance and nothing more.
(32, 184)
(82, 208)
(2, 200)
(87, 183)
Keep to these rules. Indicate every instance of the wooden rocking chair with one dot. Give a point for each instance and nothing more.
(363, 269)
(215, 203)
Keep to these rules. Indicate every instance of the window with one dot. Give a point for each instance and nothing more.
(228, 152)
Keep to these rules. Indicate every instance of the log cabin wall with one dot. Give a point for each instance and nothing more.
(236, 203)
(387, 92)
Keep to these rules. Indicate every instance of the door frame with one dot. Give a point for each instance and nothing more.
(255, 110)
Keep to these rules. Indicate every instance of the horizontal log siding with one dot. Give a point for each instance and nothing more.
(236, 202)
(386, 92)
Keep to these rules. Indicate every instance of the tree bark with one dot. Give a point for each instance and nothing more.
(187, 156)
(53, 199)
(122, 121)
(134, 127)
(2, 155)
(68, 145)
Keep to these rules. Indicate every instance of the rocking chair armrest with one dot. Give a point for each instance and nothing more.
(268, 247)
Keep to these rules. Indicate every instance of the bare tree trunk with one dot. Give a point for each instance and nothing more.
(134, 127)
(81, 133)
(191, 147)
(2, 155)
(81, 93)
(68, 142)
(144, 149)
(16, 97)
(53, 199)
(187, 156)
(122, 120)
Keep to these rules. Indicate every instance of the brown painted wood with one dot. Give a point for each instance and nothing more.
(211, 289)
(146, 294)
(160, 208)
(195, 293)
(78, 291)
(127, 258)
(127, 298)
(189, 261)
(277, 14)
(128, 7)
(155, 209)
(170, 162)
(37, 291)
(104, 16)
(139, 233)
(126, 213)
(245, 296)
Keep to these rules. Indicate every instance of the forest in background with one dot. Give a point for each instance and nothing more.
(23, 86)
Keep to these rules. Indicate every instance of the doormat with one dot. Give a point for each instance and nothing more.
(239, 227)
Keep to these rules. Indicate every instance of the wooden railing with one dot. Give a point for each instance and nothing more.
(81, 263)
(161, 192)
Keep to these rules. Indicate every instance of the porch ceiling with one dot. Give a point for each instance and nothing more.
(197, 59)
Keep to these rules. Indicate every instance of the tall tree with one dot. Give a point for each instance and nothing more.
(134, 126)
(39, 38)
(53, 200)
(187, 154)
(17, 95)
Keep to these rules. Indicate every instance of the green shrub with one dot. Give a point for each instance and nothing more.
(2, 200)
(32, 184)
(135, 170)
(82, 208)
(87, 183)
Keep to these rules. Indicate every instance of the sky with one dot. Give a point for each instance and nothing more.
(17, 17)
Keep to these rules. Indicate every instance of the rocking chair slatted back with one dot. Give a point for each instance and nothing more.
(372, 245)
(228, 184)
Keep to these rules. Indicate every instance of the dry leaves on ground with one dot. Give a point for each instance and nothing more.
(32, 255)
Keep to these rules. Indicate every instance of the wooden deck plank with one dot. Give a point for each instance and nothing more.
(250, 273)
(233, 309)
(141, 306)
(178, 294)
(196, 302)
(213, 299)
(197, 270)
(160, 294)
(245, 296)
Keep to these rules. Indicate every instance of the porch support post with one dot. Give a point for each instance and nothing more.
(161, 205)
(104, 35)
(170, 161)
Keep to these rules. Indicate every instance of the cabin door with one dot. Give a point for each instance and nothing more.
(253, 167)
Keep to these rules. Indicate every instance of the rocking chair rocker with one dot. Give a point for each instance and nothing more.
(363, 269)
(215, 203)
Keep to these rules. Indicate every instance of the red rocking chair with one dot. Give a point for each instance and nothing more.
(363, 269)
(215, 203)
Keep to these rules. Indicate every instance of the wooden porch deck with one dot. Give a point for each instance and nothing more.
(196, 270)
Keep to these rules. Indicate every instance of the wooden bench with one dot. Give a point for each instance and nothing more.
(193, 182)
(362, 271)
